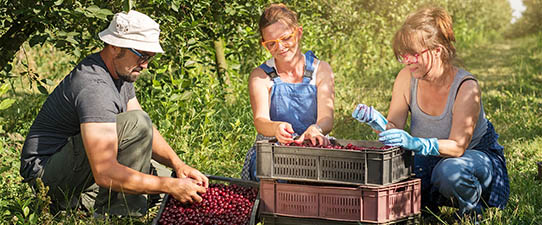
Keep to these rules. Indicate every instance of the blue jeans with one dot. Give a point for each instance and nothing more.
(463, 179)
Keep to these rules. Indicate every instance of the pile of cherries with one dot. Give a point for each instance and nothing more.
(222, 204)
(337, 146)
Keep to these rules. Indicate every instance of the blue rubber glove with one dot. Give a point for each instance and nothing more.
(421, 146)
(369, 115)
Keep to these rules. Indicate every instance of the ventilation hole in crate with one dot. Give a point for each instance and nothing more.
(340, 169)
(300, 167)
(340, 206)
(401, 167)
(302, 204)
(400, 204)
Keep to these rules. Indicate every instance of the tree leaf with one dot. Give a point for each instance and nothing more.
(2, 170)
(43, 90)
(26, 211)
(127, 5)
(93, 8)
(59, 2)
(186, 95)
(6, 103)
(79, 10)
(76, 52)
(103, 13)
(172, 109)
(4, 89)
(189, 62)
(174, 97)
(8, 67)
(37, 39)
(175, 6)
(50, 82)
(71, 40)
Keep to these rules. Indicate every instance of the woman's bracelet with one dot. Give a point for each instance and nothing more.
(318, 128)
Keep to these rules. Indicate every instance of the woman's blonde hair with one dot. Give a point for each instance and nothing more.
(429, 27)
(277, 13)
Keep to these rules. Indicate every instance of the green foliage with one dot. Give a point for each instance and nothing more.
(70, 25)
(6, 103)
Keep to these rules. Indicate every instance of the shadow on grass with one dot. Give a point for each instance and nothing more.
(510, 87)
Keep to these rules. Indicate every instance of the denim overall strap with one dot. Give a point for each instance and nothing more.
(309, 67)
(307, 74)
(270, 71)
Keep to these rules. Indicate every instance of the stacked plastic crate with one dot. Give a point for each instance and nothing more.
(368, 184)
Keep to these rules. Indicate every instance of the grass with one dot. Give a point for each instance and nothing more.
(213, 134)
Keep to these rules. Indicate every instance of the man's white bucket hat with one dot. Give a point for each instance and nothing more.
(133, 30)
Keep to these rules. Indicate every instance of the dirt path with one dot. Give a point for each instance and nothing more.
(492, 64)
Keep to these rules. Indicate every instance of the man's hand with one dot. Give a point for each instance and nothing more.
(370, 116)
(186, 190)
(188, 172)
(397, 137)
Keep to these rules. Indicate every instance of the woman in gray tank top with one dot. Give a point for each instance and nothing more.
(457, 155)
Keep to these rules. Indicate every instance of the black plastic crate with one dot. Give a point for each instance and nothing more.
(336, 166)
(270, 219)
(254, 219)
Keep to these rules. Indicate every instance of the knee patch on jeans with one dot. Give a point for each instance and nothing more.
(134, 123)
(454, 178)
(134, 131)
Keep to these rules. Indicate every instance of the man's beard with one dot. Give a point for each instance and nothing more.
(128, 77)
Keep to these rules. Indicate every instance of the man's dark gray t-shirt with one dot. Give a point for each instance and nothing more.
(87, 94)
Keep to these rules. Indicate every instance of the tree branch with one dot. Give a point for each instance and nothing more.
(12, 40)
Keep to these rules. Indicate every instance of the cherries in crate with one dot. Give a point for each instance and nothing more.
(222, 204)
(349, 146)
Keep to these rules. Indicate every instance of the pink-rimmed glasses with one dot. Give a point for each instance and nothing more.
(404, 58)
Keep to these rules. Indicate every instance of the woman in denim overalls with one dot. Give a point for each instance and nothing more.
(292, 93)
(457, 155)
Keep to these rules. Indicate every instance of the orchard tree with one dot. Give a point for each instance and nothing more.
(69, 25)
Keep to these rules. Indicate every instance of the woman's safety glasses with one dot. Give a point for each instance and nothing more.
(410, 59)
(286, 41)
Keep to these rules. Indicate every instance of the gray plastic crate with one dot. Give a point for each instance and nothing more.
(338, 166)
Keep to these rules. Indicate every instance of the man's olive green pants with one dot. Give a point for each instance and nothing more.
(70, 180)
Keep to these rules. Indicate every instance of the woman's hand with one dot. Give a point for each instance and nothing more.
(313, 133)
(370, 116)
(421, 146)
(283, 132)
